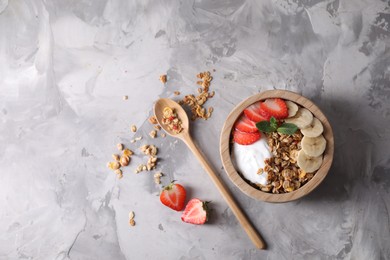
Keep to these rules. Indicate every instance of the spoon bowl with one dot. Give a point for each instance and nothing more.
(184, 135)
(181, 113)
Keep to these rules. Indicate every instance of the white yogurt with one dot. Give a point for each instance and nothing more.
(249, 158)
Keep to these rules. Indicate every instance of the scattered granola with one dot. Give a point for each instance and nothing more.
(119, 173)
(176, 93)
(163, 78)
(153, 134)
(125, 160)
(163, 135)
(125, 97)
(157, 177)
(113, 165)
(157, 127)
(128, 152)
(150, 150)
(120, 146)
(153, 120)
(171, 120)
(132, 222)
(131, 218)
(196, 102)
(116, 157)
(133, 128)
(138, 138)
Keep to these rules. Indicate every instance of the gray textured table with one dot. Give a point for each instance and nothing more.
(65, 65)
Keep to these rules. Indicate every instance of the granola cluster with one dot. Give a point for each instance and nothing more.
(171, 120)
(120, 160)
(196, 102)
(151, 151)
(283, 172)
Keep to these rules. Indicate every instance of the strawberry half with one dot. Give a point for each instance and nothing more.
(276, 107)
(245, 138)
(173, 196)
(245, 125)
(196, 212)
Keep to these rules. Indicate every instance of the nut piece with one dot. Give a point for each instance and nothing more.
(120, 146)
(125, 160)
(119, 173)
(128, 152)
(153, 120)
(133, 128)
(132, 222)
(131, 214)
(113, 165)
(157, 177)
(163, 78)
(153, 134)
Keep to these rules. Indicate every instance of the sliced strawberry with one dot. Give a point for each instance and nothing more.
(173, 196)
(276, 107)
(245, 138)
(196, 212)
(254, 113)
(264, 114)
(245, 125)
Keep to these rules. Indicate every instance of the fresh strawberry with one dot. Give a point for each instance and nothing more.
(276, 107)
(245, 125)
(245, 138)
(173, 196)
(255, 113)
(196, 212)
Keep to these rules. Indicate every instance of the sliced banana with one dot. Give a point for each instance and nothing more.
(314, 129)
(313, 146)
(292, 108)
(302, 118)
(308, 163)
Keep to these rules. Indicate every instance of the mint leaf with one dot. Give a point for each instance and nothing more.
(287, 129)
(273, 122)
(265, 126)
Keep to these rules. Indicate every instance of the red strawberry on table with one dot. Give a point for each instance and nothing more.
(276, 107)
(245, 138)
(245, 125)
(173, 196)
(196, 212)
(255, 113)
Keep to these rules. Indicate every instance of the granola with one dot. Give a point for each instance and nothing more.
(283, 172)
(171, 120)
(196, 103)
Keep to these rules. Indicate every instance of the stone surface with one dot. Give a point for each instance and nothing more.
(65, 66)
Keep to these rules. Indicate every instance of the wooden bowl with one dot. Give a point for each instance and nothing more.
(236, 178)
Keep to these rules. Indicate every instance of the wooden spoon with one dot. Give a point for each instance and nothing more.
(186, 138)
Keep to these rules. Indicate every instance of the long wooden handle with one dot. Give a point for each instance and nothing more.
(249, 229)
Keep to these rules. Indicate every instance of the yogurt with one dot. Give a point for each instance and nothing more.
(249, 158)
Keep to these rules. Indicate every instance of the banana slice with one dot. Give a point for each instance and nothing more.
(314, 129)
(307, 163)
(292, 108)
(302, 118)
(313, 146)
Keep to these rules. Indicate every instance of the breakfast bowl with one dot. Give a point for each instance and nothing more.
(293, 154)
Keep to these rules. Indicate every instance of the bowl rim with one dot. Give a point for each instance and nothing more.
(239, 181)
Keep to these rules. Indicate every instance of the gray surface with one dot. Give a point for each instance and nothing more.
(65, 66)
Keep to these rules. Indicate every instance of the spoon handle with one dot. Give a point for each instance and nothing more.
(249, 229)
